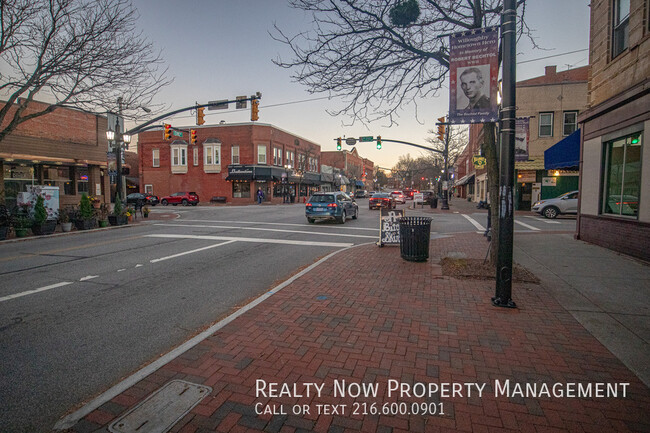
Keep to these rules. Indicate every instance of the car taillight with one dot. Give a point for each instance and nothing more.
(332, 205)
(308, 205)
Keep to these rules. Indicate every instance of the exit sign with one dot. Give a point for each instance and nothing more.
(363, 139)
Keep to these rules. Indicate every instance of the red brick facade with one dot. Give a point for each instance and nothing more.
(211, 180)
(354, 167)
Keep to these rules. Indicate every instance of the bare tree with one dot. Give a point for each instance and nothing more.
(458, 138)
(76, 53)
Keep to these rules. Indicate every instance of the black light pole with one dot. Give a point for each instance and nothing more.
(445, 191)
(119, 140)
(503, 295)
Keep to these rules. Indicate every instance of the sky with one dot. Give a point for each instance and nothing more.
(220, 49)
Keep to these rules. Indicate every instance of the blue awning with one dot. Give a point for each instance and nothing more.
(563, 154)
(359, 184)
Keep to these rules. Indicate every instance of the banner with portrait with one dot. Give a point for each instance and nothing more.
(473, 76)
(522, 135)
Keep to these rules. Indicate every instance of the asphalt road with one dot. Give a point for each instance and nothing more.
(80, 312)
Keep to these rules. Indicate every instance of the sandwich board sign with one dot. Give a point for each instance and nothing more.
(389, 226)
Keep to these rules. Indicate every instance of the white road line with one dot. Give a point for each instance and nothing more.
(255, 240)
(551, 222)
(138, 265)
(88, 277)
(273, 230)
(30, 292)
(190, 252)
(527, 226)
(338, 227)
(474, 222)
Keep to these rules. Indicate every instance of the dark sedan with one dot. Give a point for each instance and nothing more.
(381, 199)
(143, 199)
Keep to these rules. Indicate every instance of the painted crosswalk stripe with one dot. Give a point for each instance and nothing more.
(173, 256)
(30, 292)
(254, 240)
(337, 227)
(528, 226)
(272, 230)
(474, 222)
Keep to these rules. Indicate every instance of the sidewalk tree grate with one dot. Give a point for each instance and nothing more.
(161, 410)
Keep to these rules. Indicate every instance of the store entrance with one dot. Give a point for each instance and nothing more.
(525, 193)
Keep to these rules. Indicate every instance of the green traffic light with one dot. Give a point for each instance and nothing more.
(635, 140)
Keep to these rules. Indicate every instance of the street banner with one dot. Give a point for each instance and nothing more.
(473, 72)
(522, 135)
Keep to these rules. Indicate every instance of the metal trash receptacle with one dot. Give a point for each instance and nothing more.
(414, 235)
(433, 202)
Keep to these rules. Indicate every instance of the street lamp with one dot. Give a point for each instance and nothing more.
(120, 139)
(285, 187)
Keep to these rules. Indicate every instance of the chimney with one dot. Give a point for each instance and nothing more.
(550, 70)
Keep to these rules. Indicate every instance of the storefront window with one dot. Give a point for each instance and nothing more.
(59, 176)
(82, 180)
(622, 176)
(16, 180)
(241, 189)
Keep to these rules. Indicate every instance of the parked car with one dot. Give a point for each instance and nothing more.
(567, 203)
(143, 199)
(398, 196)
(184, 198)
(381, 199)
(408, 193)
(361, 193)
(428, 196)
(335, 205)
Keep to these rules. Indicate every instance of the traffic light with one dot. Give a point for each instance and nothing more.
(378, 142)
(200, 120)
(192, 136)
(338, 143)
(167, 133)
(441, 129)
(255, 110)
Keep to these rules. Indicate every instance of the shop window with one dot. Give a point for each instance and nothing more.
(622, 176)
(155, 158)
(545, 124)
(620, 26)
(82, 180)
(570, 123)
(59, 176)
(261, 154)
(241, 189)
(148, 189)
(234, 150)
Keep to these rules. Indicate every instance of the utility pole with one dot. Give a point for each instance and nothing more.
(503, 295)
(118, 149)
(445, 189)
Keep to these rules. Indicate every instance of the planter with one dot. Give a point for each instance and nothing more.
(21, 232)
(146, 215)
(117, 220)
(103, 223)
(66, 227)
(85, 224)
(4, 230)
(130, 217)
(47, 228)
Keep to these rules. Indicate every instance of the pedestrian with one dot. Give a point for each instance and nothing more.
(260, 195)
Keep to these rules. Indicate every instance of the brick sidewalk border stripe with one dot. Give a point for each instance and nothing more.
(70, 420)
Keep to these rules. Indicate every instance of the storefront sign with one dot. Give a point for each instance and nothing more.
(549, 181)
(389, 226)
(525, 176)
(473, 72)
(479, 161)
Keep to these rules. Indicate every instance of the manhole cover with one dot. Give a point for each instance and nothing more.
(162, 409)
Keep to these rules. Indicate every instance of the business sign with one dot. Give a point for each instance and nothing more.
(418, 197)
(522, 136)
(389, 226)
(549, 181)
(479, 161)
(473, 76)
(526, 176)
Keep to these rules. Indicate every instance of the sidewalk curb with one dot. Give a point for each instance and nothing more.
(71, 419)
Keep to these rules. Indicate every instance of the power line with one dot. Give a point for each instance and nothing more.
(555, 55)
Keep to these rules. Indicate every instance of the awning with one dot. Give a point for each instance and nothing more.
(327, 177)
(311, 179)
(359, 184)
(465, 179)
(341, 180)
(563, 154)
(240, 172)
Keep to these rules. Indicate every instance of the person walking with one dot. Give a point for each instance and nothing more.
(260, 195)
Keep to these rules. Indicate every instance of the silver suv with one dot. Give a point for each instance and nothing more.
(567, 203)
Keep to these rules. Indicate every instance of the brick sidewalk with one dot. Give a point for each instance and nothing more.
(368, 316)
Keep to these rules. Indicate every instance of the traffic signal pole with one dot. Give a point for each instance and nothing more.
(503, 295)
(445, 191)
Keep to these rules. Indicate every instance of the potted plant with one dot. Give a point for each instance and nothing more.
(5, 222)
(86, 218)
(118, 218)
(102, 215)
(64, 220)
(22, 221)
(42, 224)
(145, 212)
(129, 213)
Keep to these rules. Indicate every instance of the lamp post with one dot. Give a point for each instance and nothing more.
(285, 187)
(119, 139)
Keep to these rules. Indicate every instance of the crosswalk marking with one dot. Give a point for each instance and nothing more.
(474, 222)
(255, 240)
(273, 230)
(528, 226)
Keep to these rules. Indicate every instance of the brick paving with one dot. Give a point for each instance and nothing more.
(367, 316)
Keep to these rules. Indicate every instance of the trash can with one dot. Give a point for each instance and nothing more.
(414, 234)
(433, 202)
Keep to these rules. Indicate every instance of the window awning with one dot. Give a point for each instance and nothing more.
(359, 184)
(563, 154)
(465, 179)
(240, 172)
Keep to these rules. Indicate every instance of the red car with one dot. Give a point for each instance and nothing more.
(380, 199)
(408, 193)
(184, 198)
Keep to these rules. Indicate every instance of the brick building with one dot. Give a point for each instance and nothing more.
(614, 203)
(360, 171)
(66, 148)
(230, 161)
(471, 181)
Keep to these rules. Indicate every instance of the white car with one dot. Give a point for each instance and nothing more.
(398, 196)
(567, 203)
